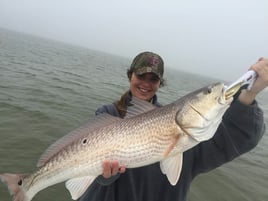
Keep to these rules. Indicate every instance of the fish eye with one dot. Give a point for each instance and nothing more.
(208, 90)
(84, 141)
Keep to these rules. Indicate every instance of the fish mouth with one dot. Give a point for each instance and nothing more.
(229, 92)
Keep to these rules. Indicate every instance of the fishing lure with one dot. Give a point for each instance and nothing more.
(247, 79)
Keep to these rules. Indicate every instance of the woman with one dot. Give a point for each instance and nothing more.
(236, 135)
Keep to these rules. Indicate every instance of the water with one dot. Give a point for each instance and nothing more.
(49, 88)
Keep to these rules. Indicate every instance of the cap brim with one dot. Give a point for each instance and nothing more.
(144, 70)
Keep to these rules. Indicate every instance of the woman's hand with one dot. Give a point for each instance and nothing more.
(112, 168)
(261, 68)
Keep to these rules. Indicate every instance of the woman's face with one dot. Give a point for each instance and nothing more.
(144, 86)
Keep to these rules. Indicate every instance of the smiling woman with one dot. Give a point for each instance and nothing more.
(146, 75)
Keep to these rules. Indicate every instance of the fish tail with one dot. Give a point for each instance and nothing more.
(14, 184)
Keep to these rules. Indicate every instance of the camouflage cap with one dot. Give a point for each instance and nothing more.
(148, 62)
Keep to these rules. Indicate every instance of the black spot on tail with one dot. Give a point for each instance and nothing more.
(20, 182)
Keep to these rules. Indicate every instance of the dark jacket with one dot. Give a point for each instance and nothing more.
(240, 131)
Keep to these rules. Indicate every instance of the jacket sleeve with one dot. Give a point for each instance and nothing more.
(240, 131)
(110, 109)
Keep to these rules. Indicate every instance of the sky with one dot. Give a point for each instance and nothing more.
(219, 39)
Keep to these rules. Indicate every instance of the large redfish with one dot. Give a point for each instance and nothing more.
(145, 136)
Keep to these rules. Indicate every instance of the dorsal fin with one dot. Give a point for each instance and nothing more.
(98, 122)
(138, 106)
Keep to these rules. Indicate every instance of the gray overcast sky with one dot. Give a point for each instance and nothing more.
(217, 38)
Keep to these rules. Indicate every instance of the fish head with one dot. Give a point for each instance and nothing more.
(202, 110)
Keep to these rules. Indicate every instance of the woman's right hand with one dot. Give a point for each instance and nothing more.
(112, 168)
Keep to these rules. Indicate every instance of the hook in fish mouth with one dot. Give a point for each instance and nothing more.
(231, 91)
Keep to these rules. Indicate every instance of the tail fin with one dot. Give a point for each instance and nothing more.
(14, 184)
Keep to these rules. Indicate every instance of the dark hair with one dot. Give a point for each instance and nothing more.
(121, 105)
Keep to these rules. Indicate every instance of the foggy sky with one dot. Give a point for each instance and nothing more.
(215, 38)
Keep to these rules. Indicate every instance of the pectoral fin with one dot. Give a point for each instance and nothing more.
(172, 166)
(78, 186)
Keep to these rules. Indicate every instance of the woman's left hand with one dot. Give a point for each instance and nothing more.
(112, 168)
(261, 68)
